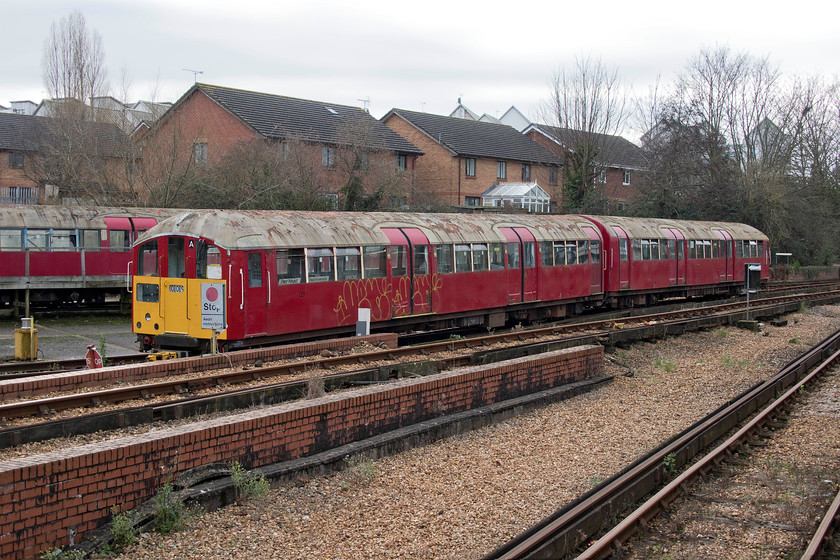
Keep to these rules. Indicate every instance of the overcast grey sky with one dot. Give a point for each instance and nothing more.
(411, 55)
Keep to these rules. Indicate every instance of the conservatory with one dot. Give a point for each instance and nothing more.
(527, 196)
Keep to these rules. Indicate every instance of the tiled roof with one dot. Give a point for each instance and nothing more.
(477, 138)
(27, 133)
(618, 151)
(275, 116)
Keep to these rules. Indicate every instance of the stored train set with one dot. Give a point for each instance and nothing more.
(66, 256)
(279, 275)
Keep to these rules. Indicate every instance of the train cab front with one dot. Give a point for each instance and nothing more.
(170, 287)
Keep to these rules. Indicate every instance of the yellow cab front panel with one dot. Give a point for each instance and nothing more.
(168, 311)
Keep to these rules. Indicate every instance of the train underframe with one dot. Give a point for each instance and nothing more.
(524, 313)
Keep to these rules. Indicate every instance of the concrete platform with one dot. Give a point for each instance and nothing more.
(67, 337)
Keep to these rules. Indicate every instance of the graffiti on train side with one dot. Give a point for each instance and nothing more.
(385, 298)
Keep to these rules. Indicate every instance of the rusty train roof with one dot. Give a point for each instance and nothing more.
(651, 228)
(256, 229)
(253, 229)
(72, 217)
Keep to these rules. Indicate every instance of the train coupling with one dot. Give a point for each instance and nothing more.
(166, 355)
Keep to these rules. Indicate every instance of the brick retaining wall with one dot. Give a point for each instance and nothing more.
(45, 497)
(69, 381)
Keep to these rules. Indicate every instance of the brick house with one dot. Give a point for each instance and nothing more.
(45, 160)
(619, 165)
(465, 158)
(208, 123)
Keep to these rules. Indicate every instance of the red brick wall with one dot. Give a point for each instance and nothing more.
(45, 496)
(41, 385)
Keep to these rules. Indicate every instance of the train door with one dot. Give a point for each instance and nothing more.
(174, 296)
(595, 266)
(254, 284)
(729, 269)
(521, 264)
(622, 264)
(677, 269)
(410, 271)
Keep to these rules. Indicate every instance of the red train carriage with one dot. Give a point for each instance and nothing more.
(286, 275)
(648, 259)
(292, 274)
(63, 254)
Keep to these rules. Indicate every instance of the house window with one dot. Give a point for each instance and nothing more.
(283, 149)
(526, 171)
(327, 156)
(552, 175)
(469, 167)
(402, 162)
(200, 152)
(602, 176)
(501, 170)
(626, 177)
(16, 160)
(472, 201)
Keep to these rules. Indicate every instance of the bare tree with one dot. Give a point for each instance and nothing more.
(589, 103)
(73, 61)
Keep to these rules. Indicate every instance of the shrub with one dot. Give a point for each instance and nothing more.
(248, 484)
(122, 530)
(170, 514)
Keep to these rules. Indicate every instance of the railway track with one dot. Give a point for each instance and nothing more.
(183, 397)
(566, 532)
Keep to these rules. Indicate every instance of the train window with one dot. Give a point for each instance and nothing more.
(399, 260)
(480, 257)
(595, 250)
(444, 254)
(255, 274)
(529, 255)
(208, 261)
(571, 252)
(147, 259)
(38, 239)
(148, 293)
(759, 252)
(559, 253)
(753, 249)
(175, 257)
(290, 264)
(421, 259)
(681, 250)
(622, 249)
(320, 264)
(692, 249)
(63, 239)
(513, 255)
(637, 249)
(583, 251)
(654, 249)
(89, 239)
(120, 240)
(348, 263)
(497, 256)
(707, 249)
(672, 249)
(376, 262)
(463, 258)
(11, 238)
(547, 253)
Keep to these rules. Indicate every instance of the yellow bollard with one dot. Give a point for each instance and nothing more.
(26, 340)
